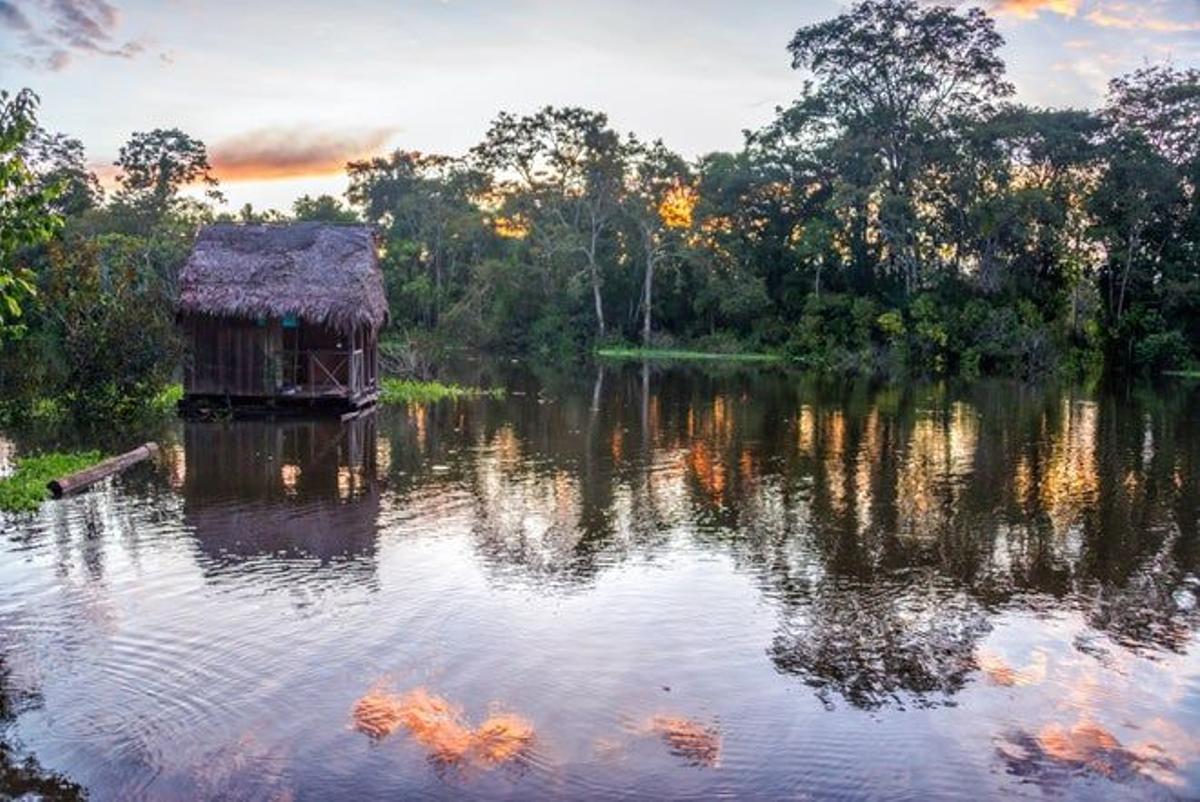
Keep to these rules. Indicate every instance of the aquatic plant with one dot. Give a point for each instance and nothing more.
(25, 489)
(167, 399)
(411, 391)
(677, 355)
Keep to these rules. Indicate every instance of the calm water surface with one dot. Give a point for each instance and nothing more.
(690, 585)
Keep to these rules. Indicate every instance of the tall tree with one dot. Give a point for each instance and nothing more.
(27, 214)
(59, 161)
(425, 205)
(566, 168)
(660, 201)
(1144, 200)
(155, 166)
(894, 73)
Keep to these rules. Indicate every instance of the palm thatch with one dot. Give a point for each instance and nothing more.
(318, 272)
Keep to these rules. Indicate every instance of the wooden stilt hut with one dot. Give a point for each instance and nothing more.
(282, 316)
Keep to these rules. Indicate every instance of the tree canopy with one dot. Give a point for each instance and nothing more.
(903, 214)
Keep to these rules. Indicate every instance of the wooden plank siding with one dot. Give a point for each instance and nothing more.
(236, 358)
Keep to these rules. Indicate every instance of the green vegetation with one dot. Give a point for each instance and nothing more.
(411, 391)
(97, 333)
(25, 489)
(167, 399)
(903, 215)
(679, 355)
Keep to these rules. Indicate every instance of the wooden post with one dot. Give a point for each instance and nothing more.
(89, 476)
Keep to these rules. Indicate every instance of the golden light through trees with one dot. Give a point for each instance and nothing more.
(677, 210)
(514, 227)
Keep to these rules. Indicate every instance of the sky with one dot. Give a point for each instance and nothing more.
(284, 92)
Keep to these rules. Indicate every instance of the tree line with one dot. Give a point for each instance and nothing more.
(902, 214)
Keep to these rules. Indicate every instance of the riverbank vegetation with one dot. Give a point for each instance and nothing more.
(25, 489)
(415, 391)
(903, 215)
(681, 355)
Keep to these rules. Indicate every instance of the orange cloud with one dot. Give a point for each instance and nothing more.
(1029, 9)
(293, 152)
(1126, 17)
(1120, 15)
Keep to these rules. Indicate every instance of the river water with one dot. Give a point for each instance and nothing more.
(667, 583)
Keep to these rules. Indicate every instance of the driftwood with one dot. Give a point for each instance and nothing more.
(84, 479)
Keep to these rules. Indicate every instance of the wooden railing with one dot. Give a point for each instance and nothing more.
(326, 372)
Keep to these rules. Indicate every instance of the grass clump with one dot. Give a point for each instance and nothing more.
(411, 391)
(25, 489)
(671, 354)
(167, 399)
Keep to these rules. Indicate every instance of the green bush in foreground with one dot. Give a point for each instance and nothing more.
(25, 489)
(409, 391)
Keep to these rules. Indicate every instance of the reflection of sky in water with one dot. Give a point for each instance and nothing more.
(727, 585)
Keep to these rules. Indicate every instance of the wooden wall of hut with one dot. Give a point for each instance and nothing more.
(228, 356)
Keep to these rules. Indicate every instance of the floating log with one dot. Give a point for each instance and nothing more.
(84, 479)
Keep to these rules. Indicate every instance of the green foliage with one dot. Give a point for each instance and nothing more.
(112, 325)
(323, 208)
(155, 165)
(891, 325)
(166, 400)
(411, 391)
(101, 343)
(836, 333)
(901, 215)
(681, 355)
(25, 489)
(27, 216)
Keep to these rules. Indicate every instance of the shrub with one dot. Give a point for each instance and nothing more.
(1161, 351)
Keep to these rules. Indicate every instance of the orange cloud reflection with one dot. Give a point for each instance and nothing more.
(690, 740)
(440, 728)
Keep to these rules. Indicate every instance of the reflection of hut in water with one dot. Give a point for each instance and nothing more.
(302, 492)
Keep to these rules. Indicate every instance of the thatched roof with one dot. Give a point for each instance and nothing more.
(319, 272)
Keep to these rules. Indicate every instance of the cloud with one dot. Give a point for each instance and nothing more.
(52, 32)
(291, 152)
(14, 18)
(1118, 14)
(1030, 9)
(1126, 17)
(57, 61)
(86, 24)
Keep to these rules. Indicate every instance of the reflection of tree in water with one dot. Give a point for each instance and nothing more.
(555, 493)
(22, 777)
(886, 525)
(881, 644)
